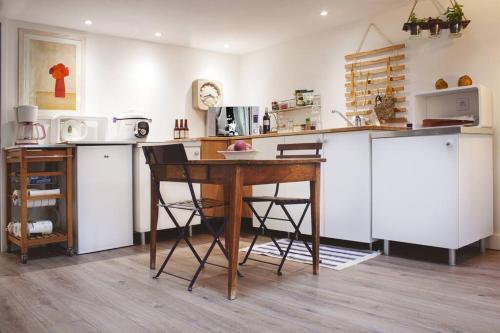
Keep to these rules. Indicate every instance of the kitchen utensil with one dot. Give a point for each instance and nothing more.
(73, 130)
(131, 126)
(30, 133)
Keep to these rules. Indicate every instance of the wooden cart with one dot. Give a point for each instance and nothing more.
(25, 162)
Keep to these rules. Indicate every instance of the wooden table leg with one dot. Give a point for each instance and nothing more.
(154, 223)
(234, 190)
(315, 219)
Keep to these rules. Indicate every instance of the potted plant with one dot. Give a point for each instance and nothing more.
(415, 25)
(455, 16)
(435, 25)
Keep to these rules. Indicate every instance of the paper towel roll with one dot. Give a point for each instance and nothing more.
(16, 198)
(39, 227)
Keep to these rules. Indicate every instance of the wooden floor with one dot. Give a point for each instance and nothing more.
(113, 292)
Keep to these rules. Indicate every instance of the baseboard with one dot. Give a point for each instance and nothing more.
(494, 242)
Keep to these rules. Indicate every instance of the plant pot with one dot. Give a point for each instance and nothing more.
(455, 29)
(415, 30)
(435, 28)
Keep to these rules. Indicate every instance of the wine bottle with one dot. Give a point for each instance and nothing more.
(266, 128)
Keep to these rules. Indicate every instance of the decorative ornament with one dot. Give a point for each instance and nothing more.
(465, 81)
(441, 84)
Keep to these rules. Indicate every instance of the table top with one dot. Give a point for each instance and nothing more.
(256, 162)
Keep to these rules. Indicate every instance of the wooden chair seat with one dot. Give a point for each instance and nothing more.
(278, 200)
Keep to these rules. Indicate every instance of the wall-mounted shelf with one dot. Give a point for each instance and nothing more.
(298, 108)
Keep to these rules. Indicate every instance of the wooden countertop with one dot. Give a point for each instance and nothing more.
(275, 134)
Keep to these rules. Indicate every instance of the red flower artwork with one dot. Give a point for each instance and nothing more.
(59, 72)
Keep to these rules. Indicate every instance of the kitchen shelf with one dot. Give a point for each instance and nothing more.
(299, 108)
(18, 161)
(55, 237)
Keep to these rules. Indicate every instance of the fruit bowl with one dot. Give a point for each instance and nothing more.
(239, 155)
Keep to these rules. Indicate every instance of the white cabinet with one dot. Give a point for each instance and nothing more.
(346, 186)
(267, 150)
(301, 189)
(433, 190)
(171, 192)
(104, 197)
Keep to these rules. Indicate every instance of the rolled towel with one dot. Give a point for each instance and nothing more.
(39, 227)
(36, 193)
(33, 193)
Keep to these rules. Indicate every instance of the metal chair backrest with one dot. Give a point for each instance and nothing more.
(169, 154)
(282, 148)
(315, 146)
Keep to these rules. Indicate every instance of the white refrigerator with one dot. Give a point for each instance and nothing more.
(104, 204)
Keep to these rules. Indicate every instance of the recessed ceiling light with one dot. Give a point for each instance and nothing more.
(158, 34)
(323, 13)
(88, 22)
(226, 46)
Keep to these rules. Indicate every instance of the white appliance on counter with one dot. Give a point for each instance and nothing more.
(172, 192)
(132, 126)
(79, 129)
(104, 204)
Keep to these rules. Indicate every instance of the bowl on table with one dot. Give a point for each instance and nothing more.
(239, 154)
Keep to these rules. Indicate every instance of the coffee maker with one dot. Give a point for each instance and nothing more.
(29, 131)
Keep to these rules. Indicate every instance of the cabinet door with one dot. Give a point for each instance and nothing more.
(347, 186)
(415, 190)
(171, 191)
(300, 189)
(176, 192)
(104, 197)
(267, 150)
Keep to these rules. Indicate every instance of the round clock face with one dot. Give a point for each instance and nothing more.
(209, 94)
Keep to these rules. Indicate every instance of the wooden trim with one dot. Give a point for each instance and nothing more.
(46, 197)
(46, 174)
(372, 92)
(401, 99)
(358, 55)
(362, 83)
(69, 198)
(394, 69)
(369, 63)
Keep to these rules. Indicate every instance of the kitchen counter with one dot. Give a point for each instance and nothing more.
(435, 131)
(328, 130)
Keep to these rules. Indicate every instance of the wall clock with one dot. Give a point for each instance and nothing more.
(206, 93)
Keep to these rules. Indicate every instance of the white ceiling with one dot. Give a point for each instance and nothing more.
(244, 25)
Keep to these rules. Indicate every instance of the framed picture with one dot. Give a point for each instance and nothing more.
(51, 70)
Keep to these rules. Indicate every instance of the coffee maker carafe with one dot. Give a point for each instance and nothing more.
(29, 131)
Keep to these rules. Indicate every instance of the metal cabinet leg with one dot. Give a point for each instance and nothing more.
(143, 238)
(482, 245)
(190, 231)
(452, 257)
(386, 247)
(370, 246)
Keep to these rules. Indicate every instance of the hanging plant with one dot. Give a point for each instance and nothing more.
(456, 17)
(435, 24)
(455, 21)
(415, 25)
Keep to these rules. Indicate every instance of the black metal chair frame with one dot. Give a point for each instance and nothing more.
(176, 154)
(281, 202)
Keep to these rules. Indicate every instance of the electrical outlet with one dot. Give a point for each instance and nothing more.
(462, 104)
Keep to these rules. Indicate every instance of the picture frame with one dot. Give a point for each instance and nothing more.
(51, 71)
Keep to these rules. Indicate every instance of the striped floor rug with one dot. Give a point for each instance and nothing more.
(333, 257)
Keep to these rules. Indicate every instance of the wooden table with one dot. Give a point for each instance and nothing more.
(233, 175)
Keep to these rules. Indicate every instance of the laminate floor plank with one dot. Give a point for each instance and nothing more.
(114, 291)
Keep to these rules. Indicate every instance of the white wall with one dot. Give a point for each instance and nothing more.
(123, 74)
(317, 62)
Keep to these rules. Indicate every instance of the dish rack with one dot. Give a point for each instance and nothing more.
(55, 165)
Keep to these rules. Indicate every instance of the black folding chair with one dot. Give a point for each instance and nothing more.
(282, 202)
(158, 156)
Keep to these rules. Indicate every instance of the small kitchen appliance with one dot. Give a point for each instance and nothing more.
(29, 131)
(233, 121)
(79, 129)
(132, 126)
